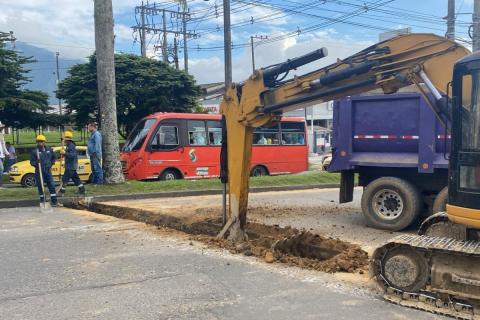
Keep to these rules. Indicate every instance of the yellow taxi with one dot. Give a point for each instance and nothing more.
(22, 172)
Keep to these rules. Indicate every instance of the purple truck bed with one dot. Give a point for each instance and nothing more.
(397, 131)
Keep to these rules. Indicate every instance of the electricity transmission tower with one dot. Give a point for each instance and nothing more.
(163, 23)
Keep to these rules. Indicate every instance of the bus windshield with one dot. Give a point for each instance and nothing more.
(139, 134)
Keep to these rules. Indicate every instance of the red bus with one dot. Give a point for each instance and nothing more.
(169, 146)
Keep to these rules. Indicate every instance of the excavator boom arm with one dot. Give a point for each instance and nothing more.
(388, 65)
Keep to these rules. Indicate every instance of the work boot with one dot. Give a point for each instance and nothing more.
(62, 191)
(81, 189)
(54, 201)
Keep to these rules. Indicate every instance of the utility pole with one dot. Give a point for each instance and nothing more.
(476, 25)
(253, 48)
(143, 41)
(175, 52)
(185, 49)
(451, 20)
(104, 47)
(227, 35)
(164, 42)
(253, 54)
(58, 82)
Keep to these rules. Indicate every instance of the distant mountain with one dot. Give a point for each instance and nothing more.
(43, 72)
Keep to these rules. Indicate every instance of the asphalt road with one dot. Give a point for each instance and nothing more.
(76, 265)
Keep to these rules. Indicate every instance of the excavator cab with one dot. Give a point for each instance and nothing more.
(464, 182)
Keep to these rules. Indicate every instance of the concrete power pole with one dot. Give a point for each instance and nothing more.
(227, 34)
(143, 41)
(104, 46)
(451, 20)
(175, 53)
(185, 48)
(252, 44)
(58, 82)
(164, 44)
(476, 25)
(253, 54)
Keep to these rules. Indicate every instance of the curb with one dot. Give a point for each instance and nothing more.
(174, 194)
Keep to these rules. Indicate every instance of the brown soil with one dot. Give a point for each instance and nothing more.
(315, 252)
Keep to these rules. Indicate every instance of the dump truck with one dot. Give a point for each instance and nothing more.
(398, 149)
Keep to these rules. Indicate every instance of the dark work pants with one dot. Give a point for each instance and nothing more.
(48, 180)
(71, 174)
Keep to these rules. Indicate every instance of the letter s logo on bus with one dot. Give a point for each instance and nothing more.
(193, 156)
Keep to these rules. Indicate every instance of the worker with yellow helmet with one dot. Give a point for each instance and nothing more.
(43, 158)
(71, 164)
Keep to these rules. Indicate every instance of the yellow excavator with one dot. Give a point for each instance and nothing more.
(435, 270)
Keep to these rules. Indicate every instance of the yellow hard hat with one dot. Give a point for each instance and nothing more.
(41, 137)
(68, 134)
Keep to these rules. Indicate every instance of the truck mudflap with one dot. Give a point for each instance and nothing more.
(435, 274)
(347, 183)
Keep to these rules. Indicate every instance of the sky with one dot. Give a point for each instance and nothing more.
(293, 28)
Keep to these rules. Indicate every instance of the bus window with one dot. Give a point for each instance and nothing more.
(197, 135)
(139, 134)
(293, 133)
(214, 133)
(267, 135)
(166, 138)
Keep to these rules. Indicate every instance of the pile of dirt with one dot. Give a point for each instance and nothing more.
(264, 241)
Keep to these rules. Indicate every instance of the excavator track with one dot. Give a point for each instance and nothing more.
(435, 274)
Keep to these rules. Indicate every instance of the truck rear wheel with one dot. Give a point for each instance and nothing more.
(391, 203)
(440, 203)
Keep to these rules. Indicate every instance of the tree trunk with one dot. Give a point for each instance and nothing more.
(104, 46)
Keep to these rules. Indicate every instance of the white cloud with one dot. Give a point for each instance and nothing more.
(58, 25)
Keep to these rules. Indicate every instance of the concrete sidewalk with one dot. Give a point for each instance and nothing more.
(78, 265)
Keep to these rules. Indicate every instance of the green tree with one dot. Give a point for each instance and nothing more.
(20, 108)
(144, 86)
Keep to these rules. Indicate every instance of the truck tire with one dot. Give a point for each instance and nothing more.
(391, 203)
(440, 203)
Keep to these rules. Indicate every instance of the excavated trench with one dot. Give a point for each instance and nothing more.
(269, 242)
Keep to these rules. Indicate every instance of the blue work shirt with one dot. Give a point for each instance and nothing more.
(71, 157)
(95, 144)
(47, 158)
